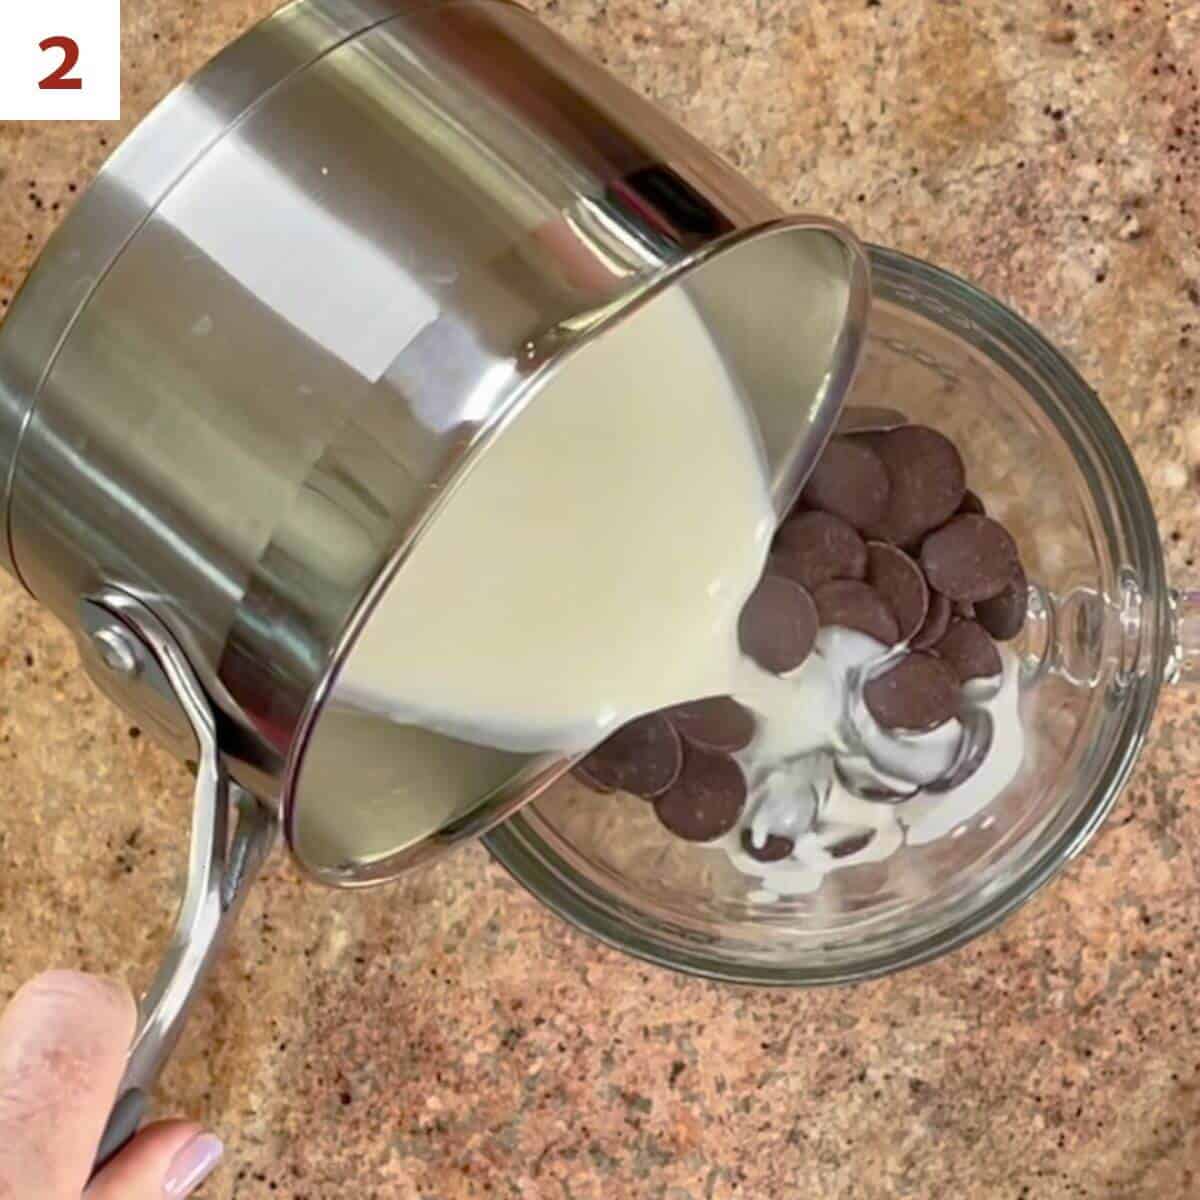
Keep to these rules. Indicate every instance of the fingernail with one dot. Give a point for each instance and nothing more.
(192, 1166)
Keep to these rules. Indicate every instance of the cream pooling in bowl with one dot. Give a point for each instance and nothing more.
(807, 726)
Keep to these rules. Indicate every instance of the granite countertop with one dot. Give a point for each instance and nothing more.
(447, 1038)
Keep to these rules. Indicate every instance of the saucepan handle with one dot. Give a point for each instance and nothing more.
(220, 870)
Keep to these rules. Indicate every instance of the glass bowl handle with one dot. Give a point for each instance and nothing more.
(1087, 635)
(1183, 666)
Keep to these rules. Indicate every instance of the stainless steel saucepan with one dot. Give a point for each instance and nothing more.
(293, 309)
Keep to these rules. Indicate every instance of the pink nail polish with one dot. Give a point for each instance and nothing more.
(192, 1166)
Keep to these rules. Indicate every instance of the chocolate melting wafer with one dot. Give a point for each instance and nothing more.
(715, 723)
(778, 624)
(916, 695)
(643, 757)
(899, 581)
(927, 483)
(853, 605)
(1003, 616)
(706, 800)
(937, 621)
(816, 547)
(971, 558)
(774, 849)
(968, 650)
(851, 482)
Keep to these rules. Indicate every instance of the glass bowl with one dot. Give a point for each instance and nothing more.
(1099, 641)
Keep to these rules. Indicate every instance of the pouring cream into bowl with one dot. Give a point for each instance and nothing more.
(1102, 634)
(250, 395)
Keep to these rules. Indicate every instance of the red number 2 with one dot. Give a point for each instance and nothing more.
(58, 79)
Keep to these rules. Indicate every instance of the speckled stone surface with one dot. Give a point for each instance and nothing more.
(445, 1037)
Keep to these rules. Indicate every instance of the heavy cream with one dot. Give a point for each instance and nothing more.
(593, 563)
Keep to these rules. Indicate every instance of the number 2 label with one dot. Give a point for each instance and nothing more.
(60, 60)
(60, 79)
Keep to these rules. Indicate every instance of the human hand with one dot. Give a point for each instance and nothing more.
(63, 1042)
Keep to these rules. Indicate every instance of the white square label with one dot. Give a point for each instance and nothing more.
(60, 60)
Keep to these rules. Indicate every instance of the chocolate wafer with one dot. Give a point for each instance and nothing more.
(969, 651)
(778, 624)
(852, 844)
(707, 798)
(899, 581)
(850, 604)
(1003, 616)
(918, 694)
(814, 547)
(971, 558)
(927, 483)
(851, 482)
(643, 757)
(774, 849)
(937, 622)
(715, 723)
